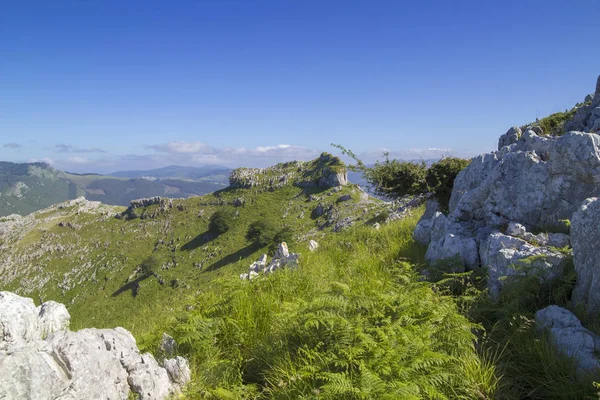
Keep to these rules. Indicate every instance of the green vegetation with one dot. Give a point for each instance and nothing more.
(261, 232)
(554, 124)
(394, 178)
(221, 221)
(353, 322)
(440, 178)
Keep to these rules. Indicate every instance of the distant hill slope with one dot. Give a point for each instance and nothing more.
(25, 188)
(28, 187)
(208, 172)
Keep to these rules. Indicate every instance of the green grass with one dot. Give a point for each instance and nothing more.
(352, 322)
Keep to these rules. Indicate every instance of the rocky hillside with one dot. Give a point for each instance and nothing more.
(87, 254)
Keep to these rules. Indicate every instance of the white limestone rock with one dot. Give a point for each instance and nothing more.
(282, 251)
(449, 244)
(53, 317)
(510, 137)
(570, 338)
(19, 321)
(178, 369)
(313, 245)
(40, 359)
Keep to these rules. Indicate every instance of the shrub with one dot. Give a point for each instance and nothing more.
(221, 221)
(261, 233)
(394, 178)
(440, 178)
(148, 266)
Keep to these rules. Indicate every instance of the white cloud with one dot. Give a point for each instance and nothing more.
(67, 148)
(182, 148)
(199, 153)
(78, 160)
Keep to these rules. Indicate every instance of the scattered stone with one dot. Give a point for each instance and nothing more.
(239, 201)
(281, 258)
(515, 229)
(377, 226)
(345, 197)
(312, 245)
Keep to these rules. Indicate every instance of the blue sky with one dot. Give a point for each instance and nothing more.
(102, 85)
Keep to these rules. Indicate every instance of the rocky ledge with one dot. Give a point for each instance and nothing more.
(325, 171)
(41, 359)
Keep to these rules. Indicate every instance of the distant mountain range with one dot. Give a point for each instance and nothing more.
(28, 187)
(208, 172)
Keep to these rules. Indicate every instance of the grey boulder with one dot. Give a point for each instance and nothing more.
(569, 337)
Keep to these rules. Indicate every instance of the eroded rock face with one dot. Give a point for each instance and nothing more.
(569, 337)
(536, 182)
(585, 233)
(41, 359)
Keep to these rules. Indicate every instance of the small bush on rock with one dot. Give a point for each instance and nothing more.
(440, 178)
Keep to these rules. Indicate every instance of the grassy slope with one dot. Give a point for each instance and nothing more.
(85, 266)
(353, 322)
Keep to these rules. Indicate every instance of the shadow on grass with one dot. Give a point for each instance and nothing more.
(198, 241)
(233, 257)
(133, 286)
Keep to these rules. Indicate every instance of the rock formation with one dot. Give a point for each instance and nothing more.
(532, 183)
(281, 258)
(326, 171)
(41, 359)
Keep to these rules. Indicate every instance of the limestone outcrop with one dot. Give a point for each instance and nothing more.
(41, 359)
(531, 183)
(326, 171)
